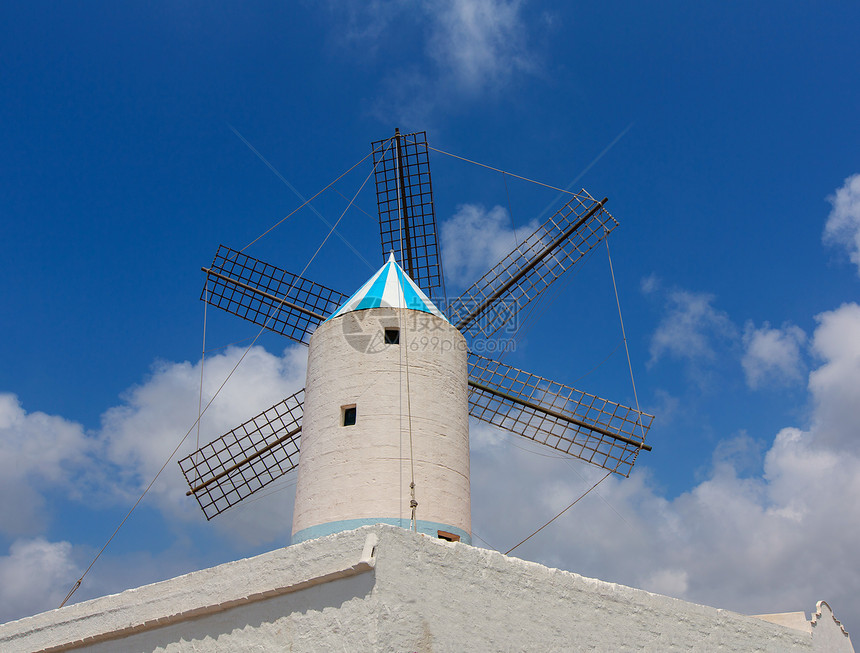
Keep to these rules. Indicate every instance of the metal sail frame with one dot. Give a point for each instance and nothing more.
(519, 278)
(268, 296)
(584, 426)
(246, 459)
(407, 217)
(588, 427)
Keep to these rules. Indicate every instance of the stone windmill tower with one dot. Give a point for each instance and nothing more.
(392, 379)
(382, 413)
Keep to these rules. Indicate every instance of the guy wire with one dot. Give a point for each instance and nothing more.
(511, 174)
(624, 337)
(311, 199)
(217, 392)
(638, 413)
(571, 505)
(577, 500)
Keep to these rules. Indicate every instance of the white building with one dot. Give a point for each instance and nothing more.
(384, 588)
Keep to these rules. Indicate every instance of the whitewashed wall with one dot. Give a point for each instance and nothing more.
(381, 588)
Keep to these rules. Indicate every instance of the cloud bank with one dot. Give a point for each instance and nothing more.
(765, 541)
(774, 539)
(43, 455)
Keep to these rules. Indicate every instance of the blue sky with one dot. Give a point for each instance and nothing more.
(724, 135)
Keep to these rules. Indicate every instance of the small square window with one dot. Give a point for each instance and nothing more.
(392, 336)
(348, 415)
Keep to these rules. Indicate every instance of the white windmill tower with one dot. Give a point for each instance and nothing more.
(383, 421)
(385, 415)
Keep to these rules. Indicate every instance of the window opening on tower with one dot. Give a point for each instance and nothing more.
(347, 415)
(392, 336)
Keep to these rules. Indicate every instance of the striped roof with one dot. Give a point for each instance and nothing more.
(390, 287)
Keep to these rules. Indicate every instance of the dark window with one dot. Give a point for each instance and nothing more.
(348, 415)
(392, 336)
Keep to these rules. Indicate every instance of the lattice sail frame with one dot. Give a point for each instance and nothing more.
(563, 418)
(402, 174)
(252, 455)
(266, 447)
(518, 279)
(266, 295)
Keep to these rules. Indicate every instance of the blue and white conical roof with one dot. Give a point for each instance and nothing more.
(390, 287)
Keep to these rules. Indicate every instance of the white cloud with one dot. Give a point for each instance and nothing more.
(843, 224)
(482, 436)
(691, 328)
(37, 573)
(35, 576)
(475, 239)
(835, 386)
(772, 356)
(465, 49)
(478, 44)
(773, 528)
(140, 434)
(37, 452)
(40, 453)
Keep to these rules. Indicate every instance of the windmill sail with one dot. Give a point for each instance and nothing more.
(407, 219)
(249, 457)
(519, 278)
(584, 426)
(267, 295)
(563, 418)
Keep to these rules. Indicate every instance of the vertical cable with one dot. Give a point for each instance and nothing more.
(404, 355)
(624, 337)
(400, 322)
(413, 504)
(202, 361)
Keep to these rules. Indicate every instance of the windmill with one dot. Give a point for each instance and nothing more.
(368, 385)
